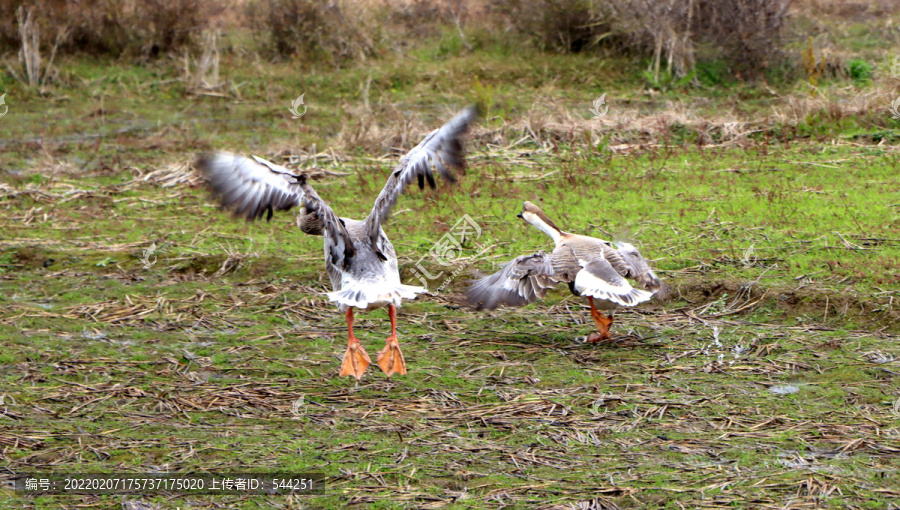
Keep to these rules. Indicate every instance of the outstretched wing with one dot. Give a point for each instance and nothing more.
(638, 267)
(442, 148)
(251, 187)
(521, 281)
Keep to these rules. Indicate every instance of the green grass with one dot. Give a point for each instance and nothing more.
(104, 361)
(781, 247)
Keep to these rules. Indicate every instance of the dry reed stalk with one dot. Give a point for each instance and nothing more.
(206, 78)
(30, 52)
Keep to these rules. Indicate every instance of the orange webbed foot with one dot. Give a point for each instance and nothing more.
(390, 358)
(602, 322)
(356, 361)
(597, 337)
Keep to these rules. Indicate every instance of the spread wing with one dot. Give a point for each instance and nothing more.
(637, 266)
(639, 269)
(442, 149)
(251, 187)
(521, 281)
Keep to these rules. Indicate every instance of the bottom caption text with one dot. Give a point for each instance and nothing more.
(43, 484)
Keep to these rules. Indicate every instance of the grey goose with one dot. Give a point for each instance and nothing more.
(360, 260)
(592, 267)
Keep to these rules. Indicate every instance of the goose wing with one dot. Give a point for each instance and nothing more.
(253, 187)
(637, 266)
(521, 281)
(442, 149)
(599, 278)
(250, 187)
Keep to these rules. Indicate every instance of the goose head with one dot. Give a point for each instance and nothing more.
(536, 217)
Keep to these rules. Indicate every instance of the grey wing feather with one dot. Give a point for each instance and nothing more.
(250, 188)
(441, 148)
(637, 267)
(521, 281)
(341, 249)
(617, 260)
(605, 271)
(565, 264)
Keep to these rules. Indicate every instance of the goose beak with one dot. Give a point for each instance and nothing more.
(520, 216)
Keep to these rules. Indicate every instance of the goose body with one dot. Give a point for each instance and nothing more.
(359, 258)
(373, 279)
(593, 268)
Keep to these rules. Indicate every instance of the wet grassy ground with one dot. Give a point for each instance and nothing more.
(143, 329)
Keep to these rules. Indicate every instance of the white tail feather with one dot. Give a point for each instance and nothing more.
(363, 297)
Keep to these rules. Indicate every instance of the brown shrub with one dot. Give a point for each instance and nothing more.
(146, 27)
(848, 10)
(417, 18)
(559, 25)
(317, 29)
(745, 32)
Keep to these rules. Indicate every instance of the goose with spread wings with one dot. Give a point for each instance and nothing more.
(592, 267)
(359, 258)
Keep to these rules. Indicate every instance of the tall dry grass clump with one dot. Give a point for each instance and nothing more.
(750, 32)
(33, 71)
(379, 128)
(662, 30)
(671, 33)
(201, 74)
(335, 31)
(113, 27)
(557, 25)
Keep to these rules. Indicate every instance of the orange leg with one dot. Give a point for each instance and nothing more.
(356, 359)
(601, 321)
(390, 359)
